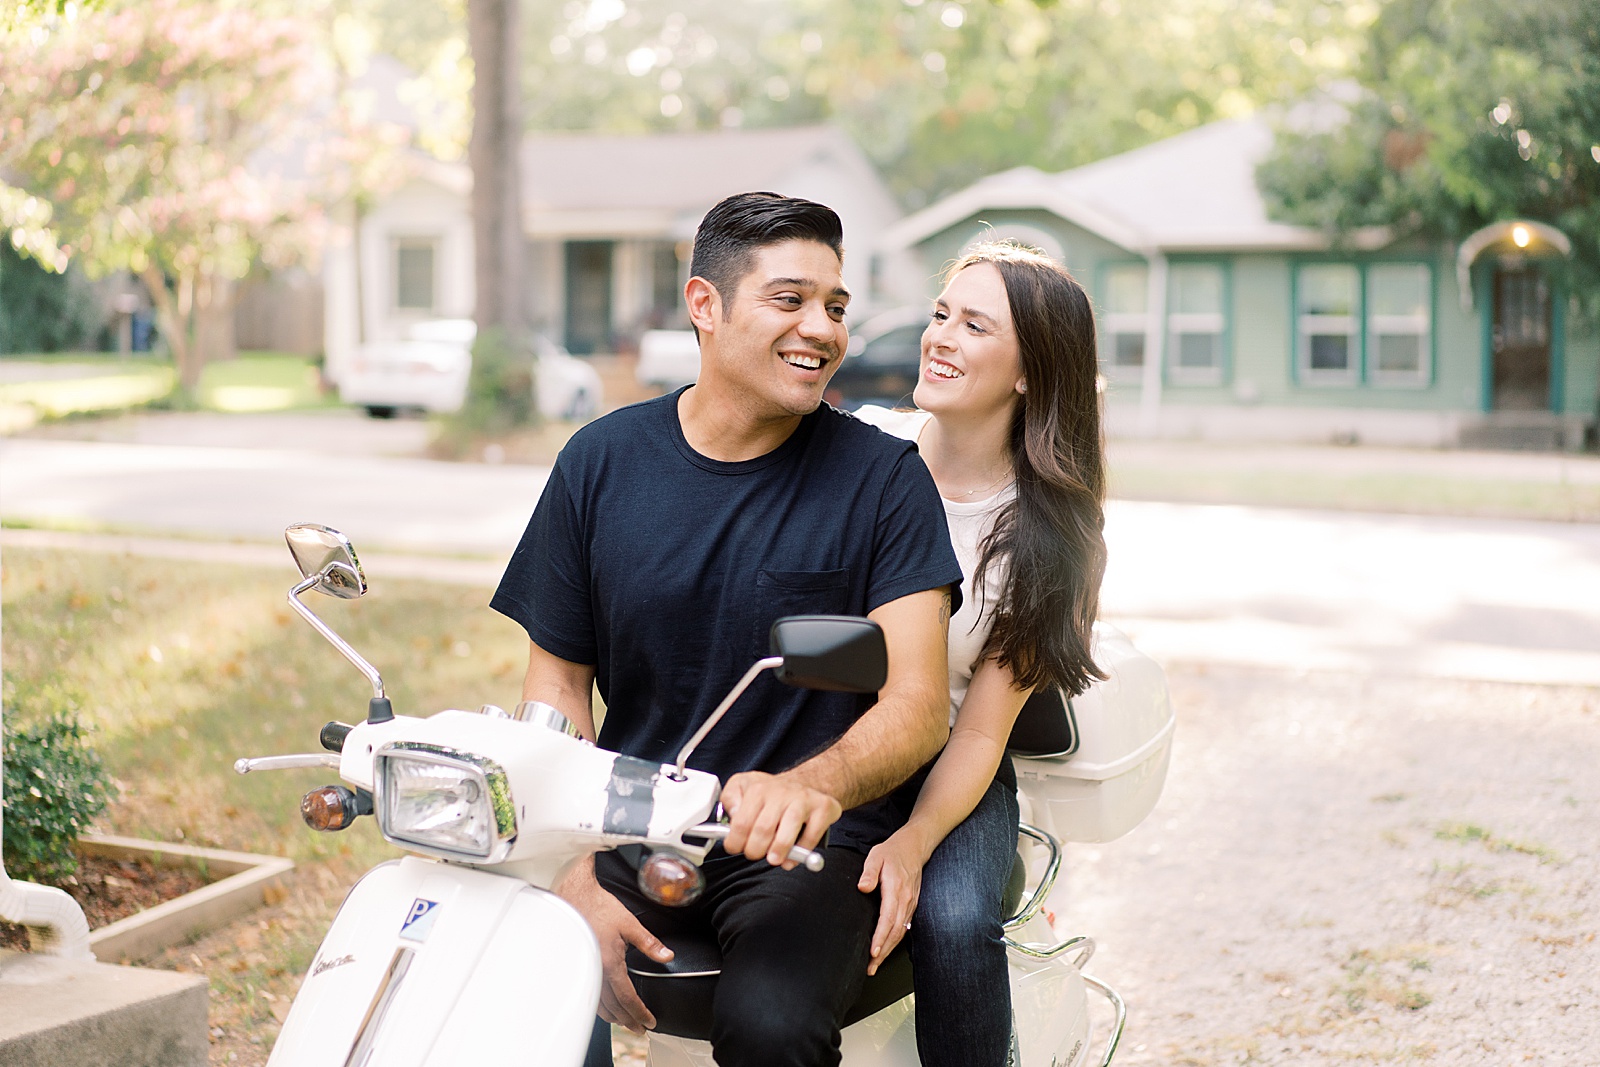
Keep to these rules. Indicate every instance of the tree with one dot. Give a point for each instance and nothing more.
(493, 29)
(1469, 112)
(937, 92)
(179, 140)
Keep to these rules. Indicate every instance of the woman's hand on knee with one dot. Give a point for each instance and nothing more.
(894, 869)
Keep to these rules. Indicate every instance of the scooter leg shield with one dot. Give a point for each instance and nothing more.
(430, 964)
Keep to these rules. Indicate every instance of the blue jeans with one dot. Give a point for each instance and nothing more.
(957, 953)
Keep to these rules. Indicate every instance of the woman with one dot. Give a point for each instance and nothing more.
(1009, 425)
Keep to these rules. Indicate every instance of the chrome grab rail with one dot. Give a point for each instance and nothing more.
(1122, 1016)
(1035, 904)
(1047, 882)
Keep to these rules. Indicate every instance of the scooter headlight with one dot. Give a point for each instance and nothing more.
(442, 801)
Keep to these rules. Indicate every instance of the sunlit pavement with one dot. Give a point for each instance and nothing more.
(1437, 597)
(252, 494)
(1440, 597)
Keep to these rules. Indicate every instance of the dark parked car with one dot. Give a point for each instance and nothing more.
(883, 360)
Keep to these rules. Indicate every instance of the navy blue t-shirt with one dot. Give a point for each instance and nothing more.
(666, 569)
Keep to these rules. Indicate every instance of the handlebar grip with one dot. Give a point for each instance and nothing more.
(333, 735)
(811, 861)
(716, 831)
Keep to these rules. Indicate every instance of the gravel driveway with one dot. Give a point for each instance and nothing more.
(1349, 869)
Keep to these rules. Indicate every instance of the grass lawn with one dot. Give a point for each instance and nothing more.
(1400, 493)
(256, 381)
(181, 668)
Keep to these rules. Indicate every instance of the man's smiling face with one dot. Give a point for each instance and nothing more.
(779, 337)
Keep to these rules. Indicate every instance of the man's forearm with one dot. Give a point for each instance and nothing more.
(886, 746)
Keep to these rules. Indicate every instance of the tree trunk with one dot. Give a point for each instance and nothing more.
(173, 314)
(215, 338)
(494, 35)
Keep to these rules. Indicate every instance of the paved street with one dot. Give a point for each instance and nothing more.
(253, 493)
(1435, 597)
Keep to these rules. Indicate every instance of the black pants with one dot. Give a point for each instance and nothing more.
(795, 946)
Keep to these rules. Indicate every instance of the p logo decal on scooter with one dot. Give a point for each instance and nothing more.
(419, 923)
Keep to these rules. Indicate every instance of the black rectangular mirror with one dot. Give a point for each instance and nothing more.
(840, 653)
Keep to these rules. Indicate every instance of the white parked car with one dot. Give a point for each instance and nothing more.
(668, 358)
(428, 371)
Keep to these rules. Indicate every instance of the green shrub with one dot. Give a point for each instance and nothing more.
(499, 394)
(41, 311)
(55, 786)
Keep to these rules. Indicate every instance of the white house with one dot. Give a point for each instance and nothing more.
(609, 221)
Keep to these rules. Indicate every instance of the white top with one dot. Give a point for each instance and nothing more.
(969, 522)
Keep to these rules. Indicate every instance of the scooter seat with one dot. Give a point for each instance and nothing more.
(679, 993)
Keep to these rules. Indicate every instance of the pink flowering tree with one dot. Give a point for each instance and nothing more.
(183, 141)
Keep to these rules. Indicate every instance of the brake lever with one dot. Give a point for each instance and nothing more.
(286, 763)
(716, 831)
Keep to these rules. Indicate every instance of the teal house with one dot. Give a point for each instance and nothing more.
(1219, 323)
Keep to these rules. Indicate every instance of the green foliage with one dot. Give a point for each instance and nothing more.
(499, 393)
(55, 786)
(41, 311)
(1471, 112)
(937, 92)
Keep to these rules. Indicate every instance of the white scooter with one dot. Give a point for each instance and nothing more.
(458, 952)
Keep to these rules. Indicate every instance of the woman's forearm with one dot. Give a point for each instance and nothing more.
(953, 788)
(968, 763)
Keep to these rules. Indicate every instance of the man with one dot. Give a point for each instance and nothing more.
(670, 536)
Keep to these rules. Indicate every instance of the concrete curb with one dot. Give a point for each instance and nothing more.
(68, 1012)
(250, 881)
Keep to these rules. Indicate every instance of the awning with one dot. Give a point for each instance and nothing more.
(1533, 236)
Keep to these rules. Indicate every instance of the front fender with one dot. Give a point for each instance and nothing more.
(431, 964)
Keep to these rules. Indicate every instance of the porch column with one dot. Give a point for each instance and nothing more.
(1155, 335)
(341, 294)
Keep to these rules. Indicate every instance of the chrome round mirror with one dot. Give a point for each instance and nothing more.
(326, 554)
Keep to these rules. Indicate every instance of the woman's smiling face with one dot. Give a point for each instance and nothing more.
(971, 363)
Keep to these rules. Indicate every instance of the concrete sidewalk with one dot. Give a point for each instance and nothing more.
(1550, 468)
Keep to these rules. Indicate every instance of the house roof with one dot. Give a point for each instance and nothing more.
(1195, 191)
(657, 184)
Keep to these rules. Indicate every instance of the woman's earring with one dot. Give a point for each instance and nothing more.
(1022, 387)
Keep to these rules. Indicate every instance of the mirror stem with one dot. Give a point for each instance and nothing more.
(722, 709)
(334, 639)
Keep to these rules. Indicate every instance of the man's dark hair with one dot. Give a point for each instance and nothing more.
(729, 235)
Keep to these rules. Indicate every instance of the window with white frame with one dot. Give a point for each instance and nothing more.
(1195, 323)
(414, 273)
(1327, 298)
(1127, 290)
(1399, 323)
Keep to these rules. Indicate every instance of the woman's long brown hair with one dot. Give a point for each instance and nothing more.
(1051, 536)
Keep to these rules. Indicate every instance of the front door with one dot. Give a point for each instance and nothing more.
(588, 296)
(1521, 340)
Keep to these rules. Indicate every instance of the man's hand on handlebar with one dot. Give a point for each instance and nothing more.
(770, 813)
(615, 927)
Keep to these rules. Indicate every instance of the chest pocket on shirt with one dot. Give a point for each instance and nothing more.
(780, 593)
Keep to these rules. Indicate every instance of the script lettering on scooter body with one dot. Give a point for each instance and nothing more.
(328, 965)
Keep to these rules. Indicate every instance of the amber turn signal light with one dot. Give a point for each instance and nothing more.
(332, 807)
(670, 879)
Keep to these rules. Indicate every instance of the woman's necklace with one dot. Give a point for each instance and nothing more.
(962, 495)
